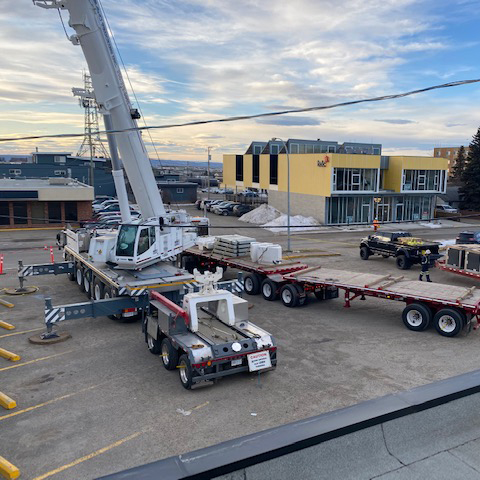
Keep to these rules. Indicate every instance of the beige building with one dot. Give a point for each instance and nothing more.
(39, 202)
(450, 153)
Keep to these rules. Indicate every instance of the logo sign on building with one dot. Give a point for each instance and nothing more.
(323, 163)
(259, 361)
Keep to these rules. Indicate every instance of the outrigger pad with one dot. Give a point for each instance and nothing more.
(49, 339)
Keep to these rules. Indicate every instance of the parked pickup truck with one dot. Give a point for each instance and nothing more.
(406, 249)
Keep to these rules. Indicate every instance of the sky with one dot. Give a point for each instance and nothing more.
(202, 60)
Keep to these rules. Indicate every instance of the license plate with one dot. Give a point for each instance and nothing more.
(236, 362)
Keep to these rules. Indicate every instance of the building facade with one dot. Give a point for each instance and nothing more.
(450, 153)
(62, 164)
(339, 184)
(43, 202)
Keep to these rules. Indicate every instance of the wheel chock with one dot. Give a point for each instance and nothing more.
(13, 357)
(6, 325)
(7, 402)
(8, 470)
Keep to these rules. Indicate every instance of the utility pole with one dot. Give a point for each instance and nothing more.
(208, 172)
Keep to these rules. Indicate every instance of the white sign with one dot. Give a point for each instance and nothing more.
(259, 361)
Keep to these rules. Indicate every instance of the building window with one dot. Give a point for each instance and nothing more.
(37, 210)
(87, 164)
(273, 169)
(61, 159)
(331, 149)
(14, 171)
(376, 151)
(179, 190)
(294, 148)
(71, 213)
(60, 172)
(55, 212)
(20, 213)
(257, 149)
(239, 168)
(274, 149)
(4, 213)
(423, 180)
(355, 179)
(309, 148)
(255, 168)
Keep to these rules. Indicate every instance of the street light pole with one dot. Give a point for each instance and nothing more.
(288, 191)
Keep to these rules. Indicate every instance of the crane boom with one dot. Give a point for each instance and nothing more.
(91, 34)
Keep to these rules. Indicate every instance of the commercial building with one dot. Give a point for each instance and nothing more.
(63, 164)
(178, 192)
(450, 153)
(339, 184)
(40, 202)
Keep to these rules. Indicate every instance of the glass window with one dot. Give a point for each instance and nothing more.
(4, 213)
(302, 148)
(179, 190)
(257, 150)
(294, 148)
(20, 213)
(317, 149)
(71, 211)
(355, 179)
(309, 148)
(55, 212)
(126, 240)
(143, 241)
(239, 168)
(152, 235)
(273, 169)
(60, 159)
(331, 149)
(274, 149)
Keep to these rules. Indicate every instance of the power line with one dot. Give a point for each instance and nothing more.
(259, 115)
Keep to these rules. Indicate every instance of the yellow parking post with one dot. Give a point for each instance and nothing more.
(8, 470)
(6, 325)
(7, 402)
(13, 357)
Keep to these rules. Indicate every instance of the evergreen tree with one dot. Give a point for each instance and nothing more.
(471, 176)
(459, 166)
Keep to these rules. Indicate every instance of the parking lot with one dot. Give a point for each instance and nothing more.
(101, 402)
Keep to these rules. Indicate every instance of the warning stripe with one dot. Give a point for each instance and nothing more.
(54, 315)
(26, 271)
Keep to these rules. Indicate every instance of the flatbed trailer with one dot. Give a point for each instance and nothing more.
(459, 271)
(449, 308)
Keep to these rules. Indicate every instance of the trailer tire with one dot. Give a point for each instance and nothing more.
(169, 354)
(403, 263)
(87, 282)
(269, 290)
(71, 275)
(302, 295)
(185, 371)
(251, 284)
(416, 317)
(364, 253)
(153, 344)
(79, 276)
(449, 321)
(289, 295)
(98, 288)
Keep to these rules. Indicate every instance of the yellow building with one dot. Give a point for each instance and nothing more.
(339, 184)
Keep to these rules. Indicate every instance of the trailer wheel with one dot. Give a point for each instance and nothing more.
(302, 295)
(98, 288)
(449, 321)
(153, 344)
(269, 290)
(71, 275)
(185, 371)
(364, 253)
(79, 275)
(289, 295)
(251, 283)
(87, 282)
(416, 317)
(403, 263)
(169, 354)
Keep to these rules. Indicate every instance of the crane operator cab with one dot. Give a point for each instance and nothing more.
(145, 243)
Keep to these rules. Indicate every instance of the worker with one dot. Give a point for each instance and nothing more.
(425, 265)
(375, 225)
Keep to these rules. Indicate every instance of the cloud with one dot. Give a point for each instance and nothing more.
(396, 121)
(289, 120)
(450, 125)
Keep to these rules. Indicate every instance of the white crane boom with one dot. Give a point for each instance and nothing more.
(91, 34)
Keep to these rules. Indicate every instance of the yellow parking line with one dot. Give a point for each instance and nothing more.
(33, 361)
(8, 470)
(88, 457)
(48, 402)
(24, 331)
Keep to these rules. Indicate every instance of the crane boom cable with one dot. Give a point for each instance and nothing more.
(249, 117)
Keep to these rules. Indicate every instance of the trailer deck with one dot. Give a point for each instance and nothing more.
(459, 271)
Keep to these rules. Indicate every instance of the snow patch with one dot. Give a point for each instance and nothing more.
(446, 243)
(263, 213)
(300, 223)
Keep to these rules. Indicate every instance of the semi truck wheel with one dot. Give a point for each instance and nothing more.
(87, 282)
(71, 275)
(169, 354)
(302, 295)
(449, 321)
(251, 284)
(269, 290)
(417, 317)
(79, 276)
(289, 295)
(98, 288)
(403, 263)
(185, 371)
(364, 253)
(153, 344)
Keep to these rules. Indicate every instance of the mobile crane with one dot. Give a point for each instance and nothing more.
(126, 273)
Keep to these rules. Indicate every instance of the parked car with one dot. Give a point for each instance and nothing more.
(219, 206)
(100, 206)
(212, 203)
(447, 211)
(467, 238)
(248, 194)
(241, 209)
(227, 209)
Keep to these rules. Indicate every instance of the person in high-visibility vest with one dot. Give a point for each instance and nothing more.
(425, 265)
(375, 225)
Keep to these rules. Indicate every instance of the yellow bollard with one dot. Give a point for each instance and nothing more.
(8, 470)
(13, 357)
(7, 402)
(6, 325)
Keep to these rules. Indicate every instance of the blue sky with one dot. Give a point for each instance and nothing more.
(209, 59)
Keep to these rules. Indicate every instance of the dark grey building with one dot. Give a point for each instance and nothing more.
(178, 192)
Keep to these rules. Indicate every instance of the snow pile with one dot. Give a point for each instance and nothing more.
(431, 225)
(300, 223)
(446, 243)
(264, 213)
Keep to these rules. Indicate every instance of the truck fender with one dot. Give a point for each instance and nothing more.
(152, 327)
(401, 251)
